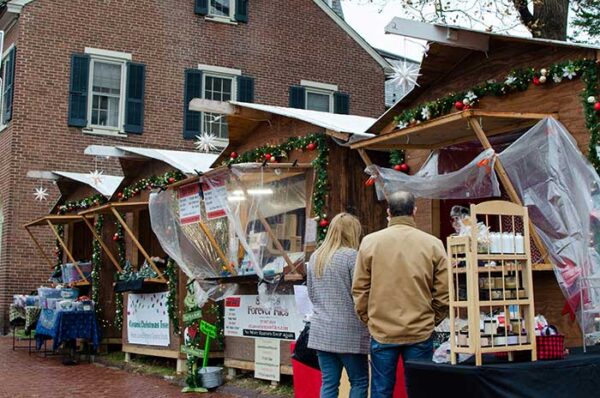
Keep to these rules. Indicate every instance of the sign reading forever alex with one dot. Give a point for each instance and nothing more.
(246, 316)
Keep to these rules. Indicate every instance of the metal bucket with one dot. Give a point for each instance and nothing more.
(211, 376)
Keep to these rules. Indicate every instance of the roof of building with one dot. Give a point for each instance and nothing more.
(104, 184)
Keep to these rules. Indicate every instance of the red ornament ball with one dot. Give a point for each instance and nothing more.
(171, 180)
(459, 105)
(233, 155)
(268, 156)
(324, 223)
(597, 106)
(404, 168)
(397, 167)
(311, 146)
(536, 80)
(115, 237)
(120, 195)
(370, 182)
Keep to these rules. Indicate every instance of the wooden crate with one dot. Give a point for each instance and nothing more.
(474, 270)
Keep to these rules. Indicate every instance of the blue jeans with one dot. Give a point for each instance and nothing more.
(384, 363)
(357, 367)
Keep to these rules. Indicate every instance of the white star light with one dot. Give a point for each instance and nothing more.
(206, 142)
(41, 194)
(96, 177)
(405, 75)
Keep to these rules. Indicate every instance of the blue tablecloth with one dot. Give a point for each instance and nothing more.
(62, 326)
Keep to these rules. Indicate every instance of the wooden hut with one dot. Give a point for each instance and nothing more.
(480, 89)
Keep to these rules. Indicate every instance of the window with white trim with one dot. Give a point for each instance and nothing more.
(217, 87)
(319, 100)
(106, 107)
(221, 9)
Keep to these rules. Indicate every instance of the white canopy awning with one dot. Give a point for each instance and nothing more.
(186, 162)
(105, 184)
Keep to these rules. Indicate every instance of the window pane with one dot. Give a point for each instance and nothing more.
(317, 102)
(216, 89)
(107, 78)
(220, 8)
(214, 123)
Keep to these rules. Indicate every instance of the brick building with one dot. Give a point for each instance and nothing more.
(115, 72)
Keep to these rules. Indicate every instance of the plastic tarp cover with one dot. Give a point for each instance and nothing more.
(561, 190)
(476, 180)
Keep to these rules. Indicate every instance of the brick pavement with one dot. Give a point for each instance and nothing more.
(30, 376)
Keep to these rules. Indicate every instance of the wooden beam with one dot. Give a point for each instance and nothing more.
(213, 242)
(39, 246)
(341, 136)
(506, 182)
(137, 243)
(510, 115)
(67, 251)
(103, 245)
(365, 157)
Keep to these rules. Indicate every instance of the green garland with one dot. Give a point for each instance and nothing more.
(82, 204)
(122, 261)
(517, 81)
(58, 250)
(96, 267)
(172, 307)
(276, 153)
(150, 183)
(218, 309)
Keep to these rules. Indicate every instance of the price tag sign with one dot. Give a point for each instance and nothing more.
(189, 204)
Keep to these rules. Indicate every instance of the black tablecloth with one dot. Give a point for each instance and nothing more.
(576, 376)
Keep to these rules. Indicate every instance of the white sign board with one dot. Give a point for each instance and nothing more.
(267, 359)
(246, 316)
(215, 198)
(189, 204)
(148, 319)
(311, 231)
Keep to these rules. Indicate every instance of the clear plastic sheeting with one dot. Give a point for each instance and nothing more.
(561, 190)
(476, 180)
(252, 224)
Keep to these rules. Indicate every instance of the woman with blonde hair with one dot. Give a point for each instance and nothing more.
(339, 337)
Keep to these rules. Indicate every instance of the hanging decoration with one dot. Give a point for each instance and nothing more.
(517, 81)
(59, 253)
(277, 153)
(41, 194)
(96, 269)
(85, 203)
(172, 307)
(121, 254)
(405, 75)
(96, 177)
(206, 142)
(150, 183)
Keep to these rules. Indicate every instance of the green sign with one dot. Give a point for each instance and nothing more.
(192, 351)
(208, 329)
(189, 317)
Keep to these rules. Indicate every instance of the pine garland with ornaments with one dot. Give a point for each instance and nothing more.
(517, 81)
(83, 204)
(172, 308)
(277, 153)
(96, 266)
(58, 250)
(150, 183)
(119, 239)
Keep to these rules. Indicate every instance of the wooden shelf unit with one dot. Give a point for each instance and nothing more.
(469, 281)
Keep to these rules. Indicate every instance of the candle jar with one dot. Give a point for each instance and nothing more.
(497, 294)
(510, 282)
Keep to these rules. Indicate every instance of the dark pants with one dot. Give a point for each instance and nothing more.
(357, 367)
(384, 364)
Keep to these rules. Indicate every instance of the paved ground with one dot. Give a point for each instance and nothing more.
(30, 376)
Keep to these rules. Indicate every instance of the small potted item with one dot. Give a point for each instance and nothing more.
(510, 294)
(510, 282)
(522, 294)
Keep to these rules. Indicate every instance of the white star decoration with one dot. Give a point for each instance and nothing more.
(206, 142)
(96, 177)
(405, 75)
(41, 194)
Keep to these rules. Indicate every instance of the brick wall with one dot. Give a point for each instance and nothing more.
(283, 42)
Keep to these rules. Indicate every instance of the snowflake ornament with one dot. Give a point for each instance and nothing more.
(206, 142)
(471, 96)
(41, 194)
(405, 75)
(402, 125)
(557, 78)
(96, 177)
(510, 80)
(425, 113)
(569, 72)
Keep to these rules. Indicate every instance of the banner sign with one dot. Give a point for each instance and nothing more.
(215, 198)
(194, 352)
(267, 359)
(246, 316)
(189, 204)
(189, 317)
(148, 319)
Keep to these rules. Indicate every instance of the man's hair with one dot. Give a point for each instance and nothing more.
(401, 203)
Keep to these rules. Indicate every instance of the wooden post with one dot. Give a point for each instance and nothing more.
(216, 246)
(138, 244)
(39, 246)
(67, 251)
(104, 247)
(365, 157)
(510, 189)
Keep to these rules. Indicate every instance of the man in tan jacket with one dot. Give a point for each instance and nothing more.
(400, 291)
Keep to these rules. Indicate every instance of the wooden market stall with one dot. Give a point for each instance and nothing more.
(479, 90)
(75, 243)
(285, 143)
(134, 249)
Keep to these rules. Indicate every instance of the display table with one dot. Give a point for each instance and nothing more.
(63, 326)
(29, 314)
(576, 376)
